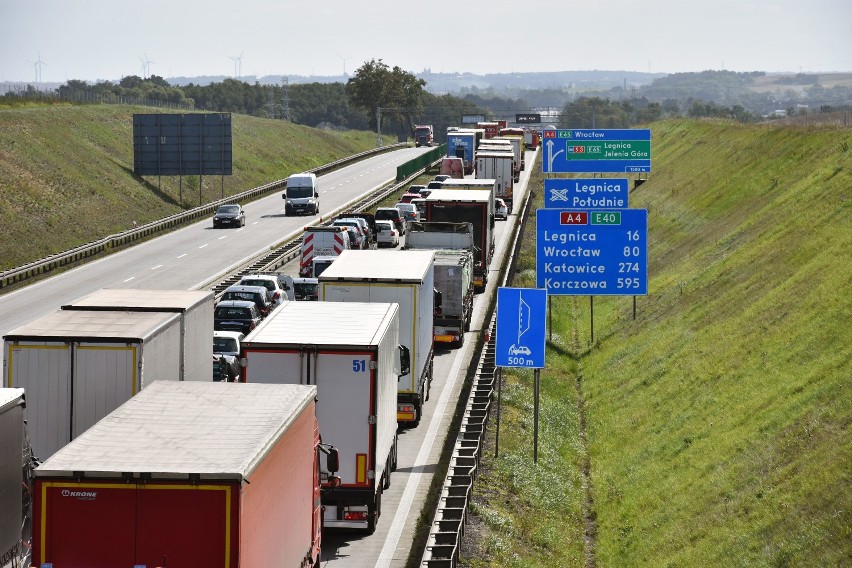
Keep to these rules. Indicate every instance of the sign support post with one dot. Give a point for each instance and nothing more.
(536, 388)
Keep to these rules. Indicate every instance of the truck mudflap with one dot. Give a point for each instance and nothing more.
(409, 406)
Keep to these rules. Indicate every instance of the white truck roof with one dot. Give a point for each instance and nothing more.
(174, 429)
(138, 299)
(381, 265)
(10, 397)
(459, 195)
(94, 326)
(325, 323)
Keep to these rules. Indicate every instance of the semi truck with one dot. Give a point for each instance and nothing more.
(517, 143)
(462, 144)
(499, 166)
(77, 366)
(11, 475)
(423, 135)
(321, 241)
(491, 129)
(403, 277)
(468, 206)
(453, 246)
(454, 280)
(196, 319)
(350, 353)
(188, 474)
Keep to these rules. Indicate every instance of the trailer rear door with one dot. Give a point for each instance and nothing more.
(104, 525)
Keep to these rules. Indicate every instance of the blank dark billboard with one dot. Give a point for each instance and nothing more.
(182, 144)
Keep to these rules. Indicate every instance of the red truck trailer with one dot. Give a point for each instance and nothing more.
(187, 474)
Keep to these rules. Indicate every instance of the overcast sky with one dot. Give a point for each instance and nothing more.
(108, 39)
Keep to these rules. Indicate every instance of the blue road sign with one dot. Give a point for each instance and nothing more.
(599, 151)
(520, 327)
(586, 252)
(586, 193)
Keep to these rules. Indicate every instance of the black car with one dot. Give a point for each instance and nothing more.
(236, 315)
(306, 288)
(230, 215)
(257, 294)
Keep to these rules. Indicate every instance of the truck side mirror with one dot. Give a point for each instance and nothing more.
(438, 297)
(332, 460)
(284, 195)
(404, 360)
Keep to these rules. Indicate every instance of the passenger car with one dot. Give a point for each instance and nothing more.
(442, 177)
(278, 292)
(500, 209)
(392, 214)
(362, 239)
(229, 215)
(257, 294)
(388, 236)
(409, 211)
(435, 185)
(306, 288)
(407, 197)
(368, 217)
(415, 188)
(236, 315)
(226, 345)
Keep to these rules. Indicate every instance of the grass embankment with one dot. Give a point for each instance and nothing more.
(66, 173)
(717, 421)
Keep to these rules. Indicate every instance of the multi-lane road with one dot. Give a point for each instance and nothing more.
(196, 256)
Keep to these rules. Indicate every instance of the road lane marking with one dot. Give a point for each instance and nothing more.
(183, 255)
(202, 246)
(129, 279)
(156, 267)
(223, 237)
(421, 462)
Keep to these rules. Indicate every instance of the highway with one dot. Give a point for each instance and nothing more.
(196, 256)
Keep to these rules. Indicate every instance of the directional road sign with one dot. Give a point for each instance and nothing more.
(586, 193)
(528, 118)
(600, 151)
(520, 327)
(588, 252)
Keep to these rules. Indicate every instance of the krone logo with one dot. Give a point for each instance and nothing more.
(85, 495)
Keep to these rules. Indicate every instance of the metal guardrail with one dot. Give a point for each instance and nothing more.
(443, 544)
(82, 252)
(289, 248)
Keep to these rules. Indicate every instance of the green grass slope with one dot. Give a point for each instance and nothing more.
(66, 173)
(718, 421)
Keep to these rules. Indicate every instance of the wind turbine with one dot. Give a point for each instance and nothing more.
(238, 62)
(344, 63)
(37, 65)
(146, 66)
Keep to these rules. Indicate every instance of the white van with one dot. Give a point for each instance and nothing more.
(301, 195)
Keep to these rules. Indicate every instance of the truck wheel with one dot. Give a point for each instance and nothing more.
(418, 414)
(386, 478)
(373, 512)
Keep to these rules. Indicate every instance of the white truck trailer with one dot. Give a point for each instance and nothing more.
(499, 166)
(196, 319)
(351, 353)
(404, 277)
(78, 366)
(11, 474)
